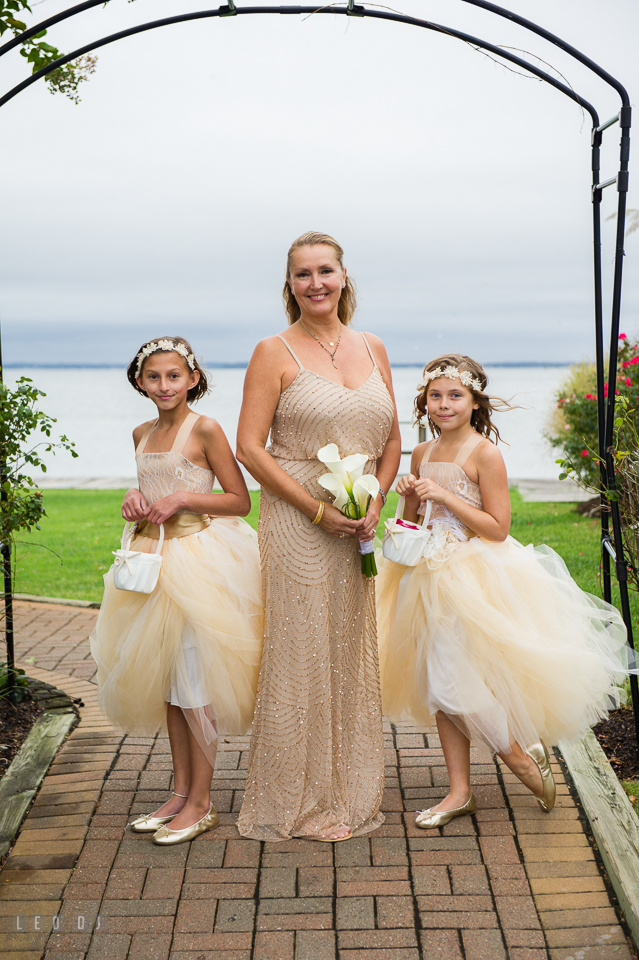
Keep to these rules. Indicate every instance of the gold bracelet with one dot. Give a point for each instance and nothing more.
(320, 512)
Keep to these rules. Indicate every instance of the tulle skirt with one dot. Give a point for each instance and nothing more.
(500, 638)
(195, 641)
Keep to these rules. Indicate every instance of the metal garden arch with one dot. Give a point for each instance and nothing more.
(611, 542)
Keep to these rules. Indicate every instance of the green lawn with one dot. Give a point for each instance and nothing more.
(68, 557)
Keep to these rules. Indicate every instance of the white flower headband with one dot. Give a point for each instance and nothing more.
(167, 346)
(452, 373)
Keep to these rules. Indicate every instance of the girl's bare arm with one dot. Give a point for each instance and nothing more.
(233, 502)
(406, 486)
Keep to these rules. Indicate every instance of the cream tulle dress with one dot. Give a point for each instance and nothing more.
(196, 640)
(497, 636)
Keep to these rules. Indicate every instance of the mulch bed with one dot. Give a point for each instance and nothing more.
(15, 726)
(618, 741)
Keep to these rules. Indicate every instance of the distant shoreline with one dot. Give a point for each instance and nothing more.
(244, 365)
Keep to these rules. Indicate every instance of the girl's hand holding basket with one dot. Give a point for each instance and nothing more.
(134, 506)
(427, 489)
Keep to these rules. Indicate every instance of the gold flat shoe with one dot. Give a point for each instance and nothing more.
(428, 819)
(538, 753)
(149, 823)
(167, 838)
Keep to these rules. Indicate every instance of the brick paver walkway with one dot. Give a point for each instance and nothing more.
(510, 882)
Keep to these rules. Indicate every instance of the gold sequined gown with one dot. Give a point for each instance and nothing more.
(316, 758)
(496, 635)
(196, 641)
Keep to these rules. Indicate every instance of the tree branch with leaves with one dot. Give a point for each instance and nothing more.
(39, 53)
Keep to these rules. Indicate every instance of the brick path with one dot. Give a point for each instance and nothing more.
(510, 882)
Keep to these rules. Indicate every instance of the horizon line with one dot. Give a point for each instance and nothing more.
(242, 365)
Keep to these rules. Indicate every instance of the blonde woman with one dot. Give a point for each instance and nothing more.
(316, 766)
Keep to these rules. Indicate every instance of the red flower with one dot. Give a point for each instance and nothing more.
(628, 382)
(584, 453)
(626, 363)
(588, 396)
(622, 336)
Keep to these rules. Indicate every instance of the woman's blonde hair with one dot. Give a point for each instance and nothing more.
(347, 301)
(480, 419)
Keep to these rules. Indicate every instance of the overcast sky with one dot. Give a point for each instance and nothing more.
(166, 201)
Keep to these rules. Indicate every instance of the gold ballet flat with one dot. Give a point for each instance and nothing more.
(428, 819)
(151, 823)
(166, 837)
(538, 753)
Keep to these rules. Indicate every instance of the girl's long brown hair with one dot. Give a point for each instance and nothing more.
(481, 417)
(347, 302)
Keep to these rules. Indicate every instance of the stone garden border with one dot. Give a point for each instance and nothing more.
(22, 780)
(614, 824)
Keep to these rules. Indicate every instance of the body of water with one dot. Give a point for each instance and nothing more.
(98, 409)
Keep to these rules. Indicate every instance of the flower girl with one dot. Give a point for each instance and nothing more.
(491, 638)
(185, 657)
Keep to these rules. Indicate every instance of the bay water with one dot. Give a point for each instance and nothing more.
(97, 409)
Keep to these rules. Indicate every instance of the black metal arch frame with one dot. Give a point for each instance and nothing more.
(611, 546)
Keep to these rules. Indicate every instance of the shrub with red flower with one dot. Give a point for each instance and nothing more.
(573, 429)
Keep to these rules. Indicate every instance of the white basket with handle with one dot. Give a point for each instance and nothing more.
(134, 570)
(405, 542)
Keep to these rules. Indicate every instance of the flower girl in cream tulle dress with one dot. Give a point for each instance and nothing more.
(487, 637)
(185, 657)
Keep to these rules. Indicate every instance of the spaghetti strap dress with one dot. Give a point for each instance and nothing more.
(316, 758)
(496, 635)
(196, 640)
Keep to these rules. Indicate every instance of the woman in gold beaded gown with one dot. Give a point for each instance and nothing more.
(316, 766)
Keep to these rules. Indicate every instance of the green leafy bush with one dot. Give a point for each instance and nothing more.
(573, 428)
(21, 684)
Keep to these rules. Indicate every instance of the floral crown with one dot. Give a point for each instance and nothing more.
(452, 373)
(167, 346)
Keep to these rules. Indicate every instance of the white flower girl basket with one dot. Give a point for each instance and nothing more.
(134, 570)
(408, 543)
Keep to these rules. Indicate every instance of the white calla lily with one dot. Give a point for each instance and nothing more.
(354, 465)
(352, 491)
(365, 488)
(348, 469)
(335, 485)
(329, 456)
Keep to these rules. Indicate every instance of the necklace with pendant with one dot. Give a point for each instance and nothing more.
(330, 343)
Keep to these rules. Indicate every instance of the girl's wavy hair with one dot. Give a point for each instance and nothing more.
(481, 417)
(347, 301)
(196, 393)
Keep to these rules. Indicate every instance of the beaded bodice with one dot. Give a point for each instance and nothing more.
(451, 476)
(314, 411)
(160, 474)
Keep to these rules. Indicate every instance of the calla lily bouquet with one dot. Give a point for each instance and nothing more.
(353, 491)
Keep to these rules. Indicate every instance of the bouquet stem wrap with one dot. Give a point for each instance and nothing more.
(353, 491)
